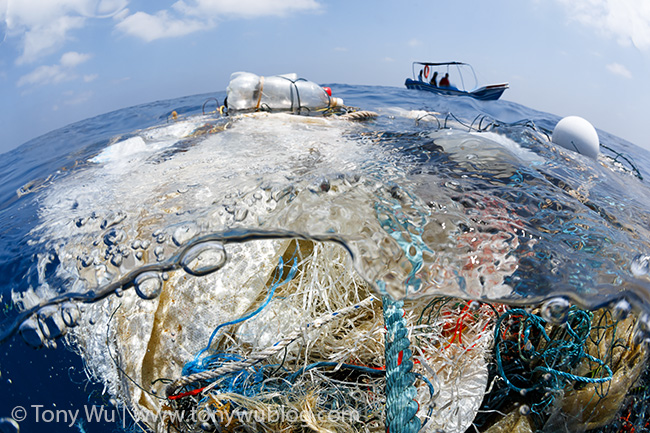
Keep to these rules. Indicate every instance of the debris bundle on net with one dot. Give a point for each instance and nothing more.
(301, 347)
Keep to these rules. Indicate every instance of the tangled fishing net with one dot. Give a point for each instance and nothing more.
(301, 345)
(284, 333)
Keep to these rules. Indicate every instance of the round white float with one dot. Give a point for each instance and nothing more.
(578, 135)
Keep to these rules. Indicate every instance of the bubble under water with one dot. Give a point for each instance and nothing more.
(204, 258)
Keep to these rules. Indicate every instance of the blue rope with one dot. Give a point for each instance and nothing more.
(198, 364)
(401, 406)
(397, 223)
(554, 361)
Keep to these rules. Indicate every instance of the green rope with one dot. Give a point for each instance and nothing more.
(401, 406)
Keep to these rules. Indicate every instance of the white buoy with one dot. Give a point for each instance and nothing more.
(578, 135)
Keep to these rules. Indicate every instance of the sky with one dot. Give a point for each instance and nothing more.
(66, 60)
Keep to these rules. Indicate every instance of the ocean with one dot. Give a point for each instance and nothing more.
(165, 239)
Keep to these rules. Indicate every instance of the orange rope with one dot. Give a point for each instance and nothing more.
(259, 95)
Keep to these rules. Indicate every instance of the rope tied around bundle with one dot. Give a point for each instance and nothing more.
(401, 405)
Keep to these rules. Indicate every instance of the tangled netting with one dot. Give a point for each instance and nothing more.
(286, 336)
(310, 375)
(317, 351)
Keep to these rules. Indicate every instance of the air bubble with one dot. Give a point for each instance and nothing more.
(9, 425)
(148, 285)
(453, 185)
(621, 310)
(159, 251)
(138, 255)
(31, 332)
(112, 219)
(184, 233)
(51, 322)
(85, 260)
(642, 329)
(555, 310)
(280, 194)
(136, 244)
(70, 314)
(524, 410)
(206, 426)
(114, 237)
(116, 260)
(204, 258)
(241, 214)
(145, 244)
(640, 265)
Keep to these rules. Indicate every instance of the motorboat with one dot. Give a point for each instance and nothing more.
(431, 75)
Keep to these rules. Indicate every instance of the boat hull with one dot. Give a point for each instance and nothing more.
(485, 93)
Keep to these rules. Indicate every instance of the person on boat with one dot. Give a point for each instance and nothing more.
(420, 76)
(434, 79)
(444, 81)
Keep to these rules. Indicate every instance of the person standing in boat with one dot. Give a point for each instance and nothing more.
(420, 76)
(444, 81)
(434, 79)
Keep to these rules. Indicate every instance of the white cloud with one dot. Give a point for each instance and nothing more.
(414, 42)
(628, 21)
(52, 74)
(121, 15)
(72, 59)
(244, 8)
(111, 7)
(47, 38)
(44, 75)
(194, 15)
(618, 69)
(90, 77)
(158, 26)
(43, 26)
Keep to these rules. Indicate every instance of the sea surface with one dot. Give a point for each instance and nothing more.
(436, 196)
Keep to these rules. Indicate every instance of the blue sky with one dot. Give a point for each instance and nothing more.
(66, 60)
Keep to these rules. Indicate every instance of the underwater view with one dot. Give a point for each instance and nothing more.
(404, 262)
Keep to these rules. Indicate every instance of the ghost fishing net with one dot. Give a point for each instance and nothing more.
(282, 334)
(305, 350)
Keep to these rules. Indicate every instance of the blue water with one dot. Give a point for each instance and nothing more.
(570, 226)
